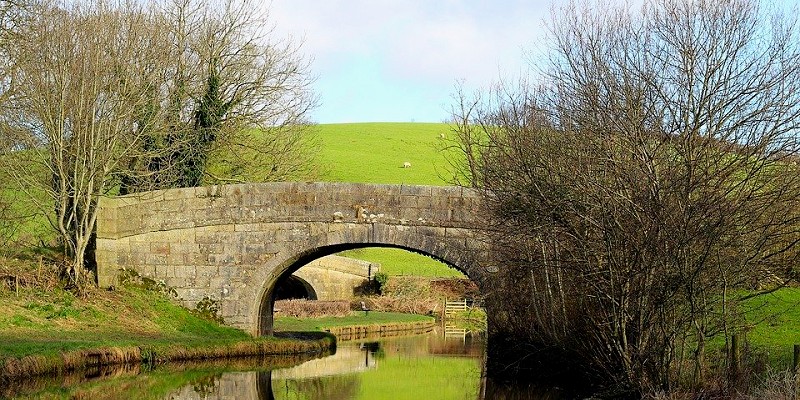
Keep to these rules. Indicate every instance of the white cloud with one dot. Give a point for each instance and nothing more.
(414, 38)
(425, 46)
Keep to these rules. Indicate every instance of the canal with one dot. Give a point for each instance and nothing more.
(430, 366)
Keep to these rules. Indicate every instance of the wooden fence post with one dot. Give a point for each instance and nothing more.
(735, 353)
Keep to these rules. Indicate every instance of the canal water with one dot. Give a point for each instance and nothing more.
(430, 366)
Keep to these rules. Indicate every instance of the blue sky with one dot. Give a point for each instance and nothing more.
(399, 60)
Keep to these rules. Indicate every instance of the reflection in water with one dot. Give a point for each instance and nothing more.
(36, 384)
(423, 366)
(427, 366)
(169, 381)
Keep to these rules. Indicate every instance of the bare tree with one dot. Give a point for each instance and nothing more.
(236, 101)
(652, 173)
(75, 91)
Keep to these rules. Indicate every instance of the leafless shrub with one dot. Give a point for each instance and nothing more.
(639, 183)
(778, 385)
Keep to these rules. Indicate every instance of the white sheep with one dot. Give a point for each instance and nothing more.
(406, 164)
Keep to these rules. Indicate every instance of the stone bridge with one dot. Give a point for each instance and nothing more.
(329, 278)
(233, 243)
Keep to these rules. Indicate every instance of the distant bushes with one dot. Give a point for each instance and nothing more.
(302, 308)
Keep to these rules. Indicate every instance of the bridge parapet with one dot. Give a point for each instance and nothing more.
(243, 204)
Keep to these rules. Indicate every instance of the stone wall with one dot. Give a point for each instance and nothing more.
(336, 278)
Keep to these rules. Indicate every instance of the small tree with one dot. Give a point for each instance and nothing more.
(74, 93)
(236, 101)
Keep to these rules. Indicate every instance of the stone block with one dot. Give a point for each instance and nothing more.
(221, 259)
(408, 202)
(159, 248)
(211, 248)
(201, 282)
(415, 190)
(217, 283)
(254, 248)
(206, 271)
(159, 271)
(185, 271)
(214, 237)
(150, 271)
(446, 191)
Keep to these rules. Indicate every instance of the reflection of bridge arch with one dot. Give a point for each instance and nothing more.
(233, 243)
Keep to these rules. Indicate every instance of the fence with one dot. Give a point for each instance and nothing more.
(454, 306)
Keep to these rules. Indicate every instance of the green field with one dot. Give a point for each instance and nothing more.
(774, 323)
(375, 153)
(397, 262)
(396, 378)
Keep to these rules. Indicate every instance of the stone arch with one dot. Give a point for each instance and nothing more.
(265, 297)
(295, 287)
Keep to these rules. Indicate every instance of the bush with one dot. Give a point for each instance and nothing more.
(208, 309)
(381, 278)
(302, 308)
(130, 277)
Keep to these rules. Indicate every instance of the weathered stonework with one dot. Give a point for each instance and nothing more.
(232, 243)
(334, 277)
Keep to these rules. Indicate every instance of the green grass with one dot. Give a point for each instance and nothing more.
(413, 378)
(395, 378)
(396, 262)
(775, 323)
(356, 318)
(48, 323)
(375, 153)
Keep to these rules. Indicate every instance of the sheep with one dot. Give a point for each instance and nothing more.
(406, 164)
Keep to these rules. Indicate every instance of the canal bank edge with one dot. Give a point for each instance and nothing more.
(352, 332)
(14, 368)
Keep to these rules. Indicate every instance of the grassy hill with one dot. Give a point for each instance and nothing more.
(375, 153)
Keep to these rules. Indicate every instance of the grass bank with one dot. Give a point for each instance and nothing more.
(46, 329)
(156, 353)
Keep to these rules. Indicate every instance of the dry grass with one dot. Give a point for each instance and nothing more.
(420, 295)
(301, 308)
(16, 274)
